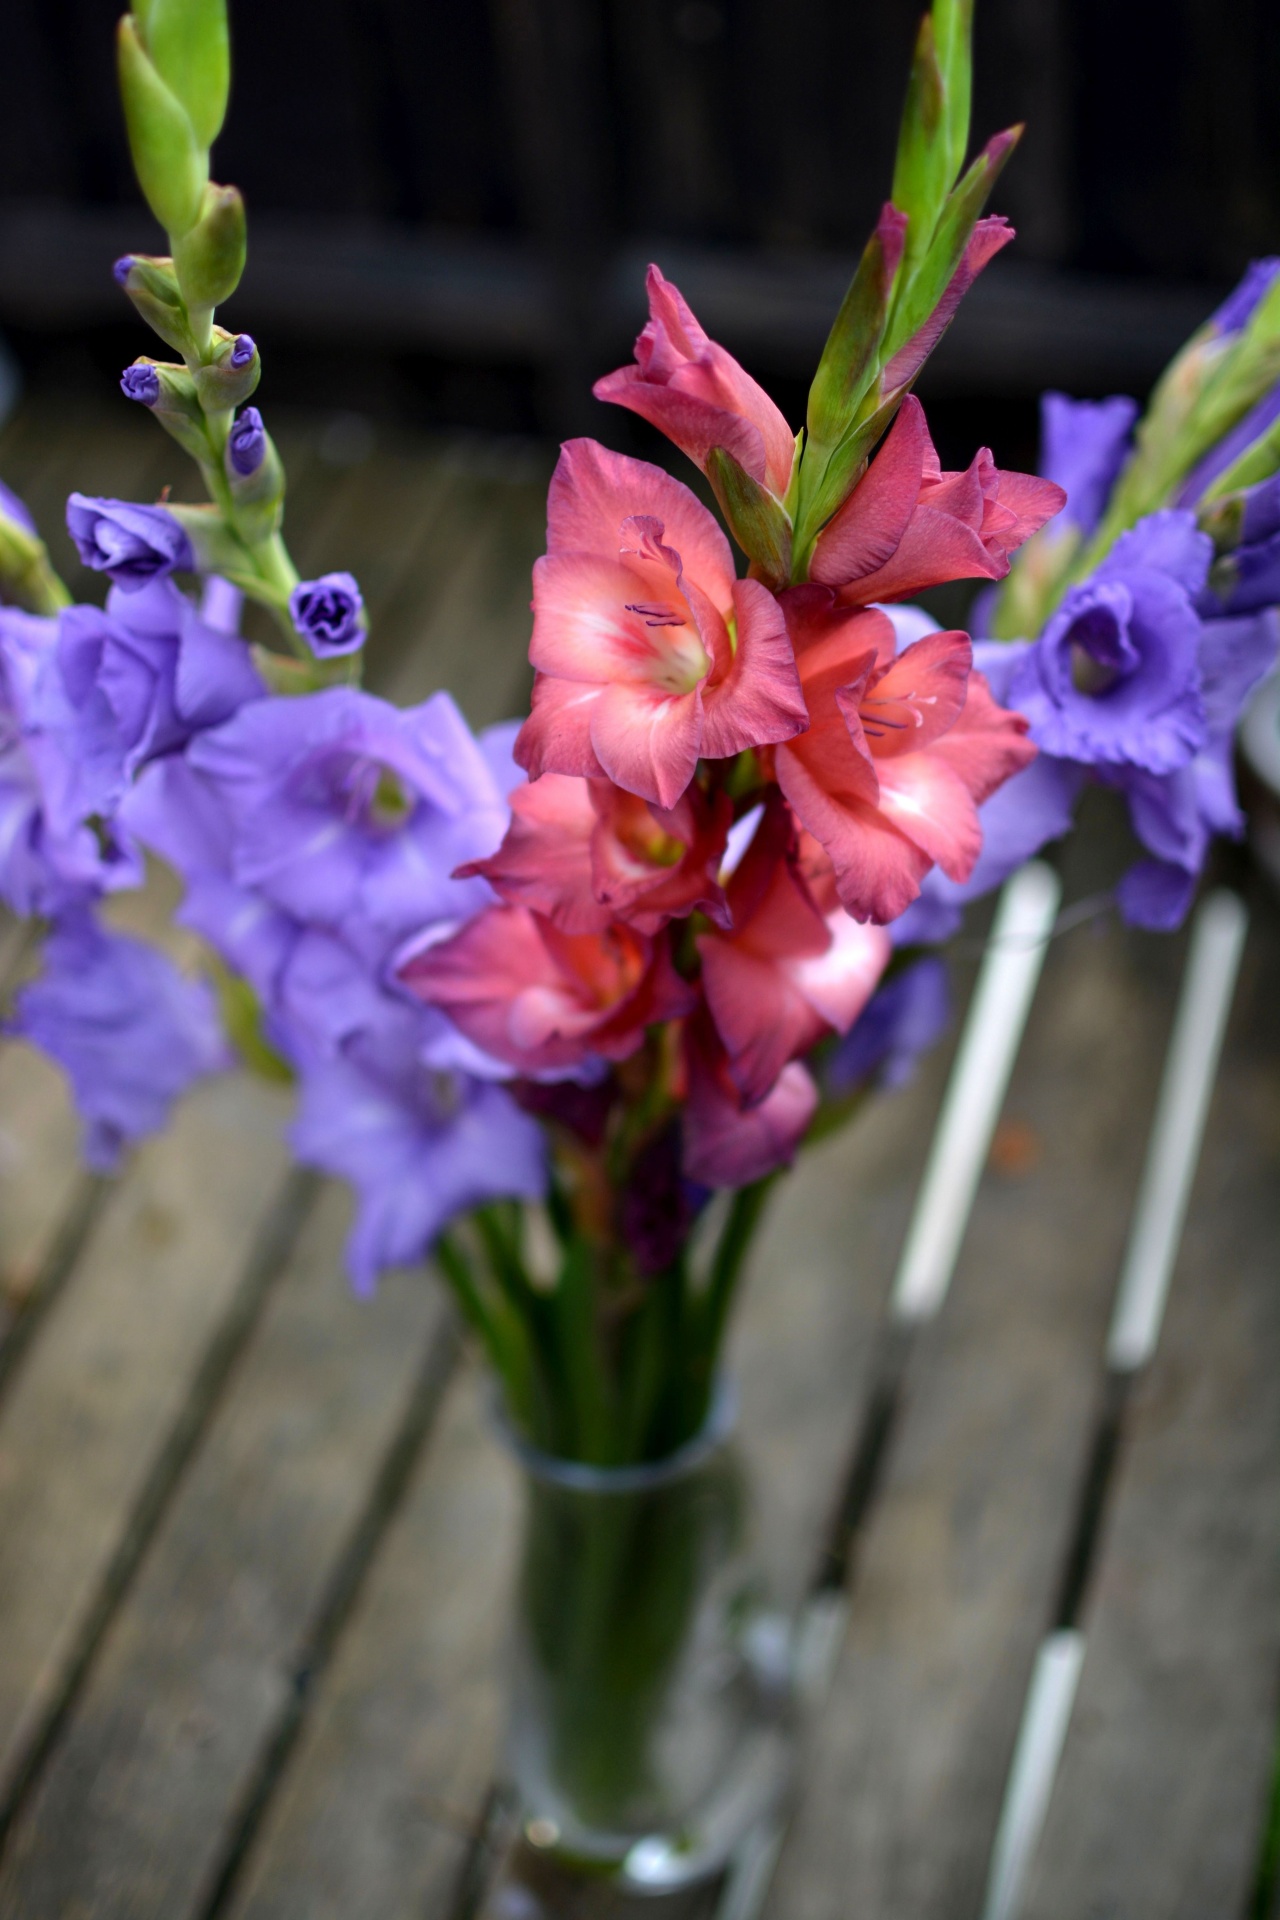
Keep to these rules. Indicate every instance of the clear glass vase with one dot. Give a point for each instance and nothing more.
(651, 1713)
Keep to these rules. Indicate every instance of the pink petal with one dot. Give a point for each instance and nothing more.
(867, 529)
(725, 1146)
(584, 628)
(935, 548)
(761, 1015)
(878, 870)
(918, 697)
(647, 741)
(556, 738)
(759, 701)
(839, 982)
(545, 861)
(593, 491)
(691, 423)
(930, 804)
(988, 743)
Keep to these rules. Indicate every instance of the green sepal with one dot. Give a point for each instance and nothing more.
(178, 408)
(152, 285)
(209, 258)
(188, 44)
(27, 579)
(171, 165)
(850, 358)
(258, 497)
(920, 294)
(216, 546)
(757, 520)
(242, 1021)
(920, 177)
(221, 386)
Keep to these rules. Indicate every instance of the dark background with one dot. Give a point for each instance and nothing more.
(451, 205)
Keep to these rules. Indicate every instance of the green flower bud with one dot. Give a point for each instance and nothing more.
(171, 164)
(188, 46)
(757, 520)
(152, 285)
(232, 374)
(259, 494)
(171, 396)
(209, 257)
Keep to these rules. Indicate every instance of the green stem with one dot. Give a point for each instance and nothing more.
(744, 1215)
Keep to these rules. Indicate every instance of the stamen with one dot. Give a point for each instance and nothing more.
(656, 616)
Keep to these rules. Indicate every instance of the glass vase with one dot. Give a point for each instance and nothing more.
(651, 1713)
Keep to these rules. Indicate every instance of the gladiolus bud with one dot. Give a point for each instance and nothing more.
(170, 392)
(187, 44)
(209, 258)
(152, 285)
(247, 443)
(141, 382)
(233, 373)
(256, 476)
(171, 164)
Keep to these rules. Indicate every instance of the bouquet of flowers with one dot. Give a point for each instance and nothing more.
(544, 992)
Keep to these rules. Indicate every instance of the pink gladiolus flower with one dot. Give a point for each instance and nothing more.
(649, 652)
(728, 1142)
(900, 753)
(698, 395)
(786, 974)
(544, 1001)
(583, 853)
(908, 525)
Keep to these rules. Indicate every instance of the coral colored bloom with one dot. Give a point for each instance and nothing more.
(908, 525)
(728, 1142)
(698, 395)
(649, 652)
(785, 975)
(900, 752)
(583, 853)
(547, 1002)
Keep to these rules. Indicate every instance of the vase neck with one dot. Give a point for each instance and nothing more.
(582, 1476)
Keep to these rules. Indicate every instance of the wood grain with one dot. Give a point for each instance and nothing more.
(904, 1777)
(1160, 1802)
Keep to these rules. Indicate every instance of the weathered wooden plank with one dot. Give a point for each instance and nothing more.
(39, 1171)
(1159, 1803)
(134, 1808)
(954, 1578)
(86, 1417)
(385, 1798)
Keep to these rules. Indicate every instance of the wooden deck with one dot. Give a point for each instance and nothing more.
(254, 1535)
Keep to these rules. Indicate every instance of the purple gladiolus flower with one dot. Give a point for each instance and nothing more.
(352, 814)
(1083, 445)
(129, 1031)
(133, 544)
(141, 383)
(1248, 577)
(242, 351)
(1176, 816)
(49, 860)
(327, 612)
(419, 1147)
(134, 682)
(907, 1016)
(247, 442)
(1114, 680)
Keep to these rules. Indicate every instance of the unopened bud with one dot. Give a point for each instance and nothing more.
(169, 391)
(209, 258)
(186, 41)
(329, 614)
(141, 382)
(233, 373)
(247, 443)
(171, 164)
(152, 285)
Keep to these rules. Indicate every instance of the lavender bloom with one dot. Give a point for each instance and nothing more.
(242, 351)
(1248, 577)
(1083, 445)
(903, 1020)
(247, 442)
(49, 860)
(1176, 816)
(131, 543)
(140, 382)
(327, 612)
(129, 1031)
(1237, 309)
(131, 683)
(14, 509)
(352, 814)
(418, 1146)
(1114, 680)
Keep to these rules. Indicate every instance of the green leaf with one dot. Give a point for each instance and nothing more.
(188, 44)
(170, 163)
(756, 519)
